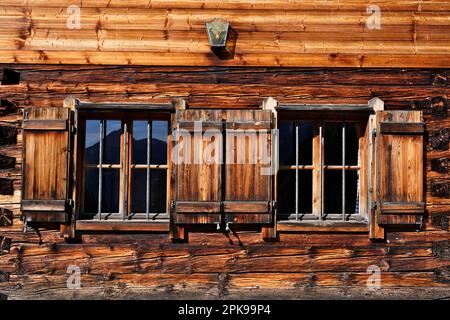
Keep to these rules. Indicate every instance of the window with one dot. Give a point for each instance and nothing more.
(125, 166)
(320, 168)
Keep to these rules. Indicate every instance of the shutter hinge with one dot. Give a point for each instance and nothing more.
(73, 130)
(374, 133)
(172, 204)
(70, 202)
(274, 204)
(374, 205)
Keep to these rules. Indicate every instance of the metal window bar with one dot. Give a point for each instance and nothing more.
(343, 171)
(147, 194)
(100, 176)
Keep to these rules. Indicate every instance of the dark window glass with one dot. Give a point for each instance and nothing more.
(333, 191)
(138, 190)
(158, 186)
(351, 143)
(110, 188)
(286, 195)
(111, 145)
(92, 142)
(139, 142)
(287, 142)
(305, 137)
(333, 143)
(159, 142)
(91, 190)
(351, 192)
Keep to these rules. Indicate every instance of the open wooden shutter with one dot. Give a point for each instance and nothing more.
(248, 176)
(196, 196)
(399, 168)
(46, 164)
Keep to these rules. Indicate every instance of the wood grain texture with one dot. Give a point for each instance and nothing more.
(270, 33)
(302, 265)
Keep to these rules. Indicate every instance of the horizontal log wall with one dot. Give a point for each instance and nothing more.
(213, 265)
(305, 33)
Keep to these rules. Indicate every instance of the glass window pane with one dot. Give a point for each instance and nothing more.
(158, 183)
(351, 191)
(111, 145)
(287, 142)
(351, 143)
(91, 191)
(333, 191)
(305, 137)
(286, 193)
(333, 143)
(92, 142)
(110, 190)
(160, 131)
(138, 190)
(139, 147)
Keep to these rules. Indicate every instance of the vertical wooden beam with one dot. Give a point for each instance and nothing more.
(177, 233)
(67, 230)
(269, 232)
(375, 231)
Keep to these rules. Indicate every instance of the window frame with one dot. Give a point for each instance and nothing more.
(125, 117)
(319, 118)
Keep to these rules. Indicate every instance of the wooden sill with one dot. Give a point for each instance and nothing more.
(155, 226)
(289, 226)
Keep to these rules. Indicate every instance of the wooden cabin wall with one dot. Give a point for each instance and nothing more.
(213, 265)
(306, 33)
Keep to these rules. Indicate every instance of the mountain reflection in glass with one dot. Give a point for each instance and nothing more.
(154, 180)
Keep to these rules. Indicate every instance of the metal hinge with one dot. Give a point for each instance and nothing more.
(274, 203)
(172, 204)
(374, 133)
(70, 202)
(73, 130)
(374, 205)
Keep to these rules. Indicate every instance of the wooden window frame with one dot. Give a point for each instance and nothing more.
(125, 220)
(318, 215)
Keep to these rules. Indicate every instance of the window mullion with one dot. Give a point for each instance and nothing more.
(321, 170)
(124, 204)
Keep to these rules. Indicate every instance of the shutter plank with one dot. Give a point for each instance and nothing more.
(248, 186)
(402, 128)
(198, 179)
(247, 206)
(403, 207)
(46, 125)
(399, 168)
(46, 147)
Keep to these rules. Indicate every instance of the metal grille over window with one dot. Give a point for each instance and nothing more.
(319, 170)
(125, 169)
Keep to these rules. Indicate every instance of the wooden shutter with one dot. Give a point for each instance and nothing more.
(399, 168)
(196, 195)
(205, 191)
(248, 178)
(46, 164)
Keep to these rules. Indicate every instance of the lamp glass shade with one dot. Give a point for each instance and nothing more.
(217, 32)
